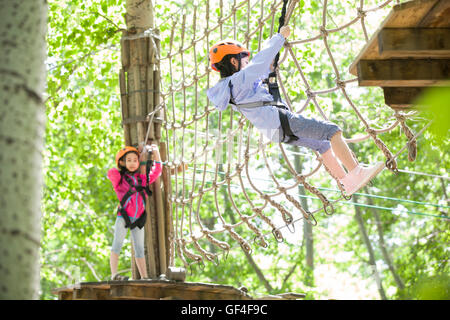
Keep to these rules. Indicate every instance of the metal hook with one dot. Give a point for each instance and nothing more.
(293, 227)
(326, 206)
(278, 236)
(309, 219)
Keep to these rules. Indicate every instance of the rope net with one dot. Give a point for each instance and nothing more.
(235, 182)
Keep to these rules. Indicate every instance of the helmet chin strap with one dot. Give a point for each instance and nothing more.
(238, 58)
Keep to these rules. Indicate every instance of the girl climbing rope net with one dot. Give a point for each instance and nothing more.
(242, 86)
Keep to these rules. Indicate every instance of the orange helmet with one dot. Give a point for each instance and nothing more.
(123, 152)
(222, 48)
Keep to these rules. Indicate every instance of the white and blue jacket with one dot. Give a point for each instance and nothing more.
(247, 87)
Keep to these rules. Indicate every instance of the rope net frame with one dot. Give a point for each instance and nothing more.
(219, 196)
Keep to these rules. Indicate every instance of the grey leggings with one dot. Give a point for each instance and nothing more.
(137, 237)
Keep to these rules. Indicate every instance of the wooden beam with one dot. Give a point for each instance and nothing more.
(414, 42)
(181, 291)
(404, 15)
(402, 97)
(438, 16)
(403, 72)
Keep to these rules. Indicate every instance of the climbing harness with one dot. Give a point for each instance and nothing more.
(135, 188)
(282, 113)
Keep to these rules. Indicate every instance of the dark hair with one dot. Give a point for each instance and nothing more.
(225, 67)
(123, 169)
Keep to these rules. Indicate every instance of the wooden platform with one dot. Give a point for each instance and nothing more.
(409, 52)
(158, 290)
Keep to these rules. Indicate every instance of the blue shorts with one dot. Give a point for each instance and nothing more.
(312, 133)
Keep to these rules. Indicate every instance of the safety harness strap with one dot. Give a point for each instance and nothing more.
(282, 109)
(133, 190)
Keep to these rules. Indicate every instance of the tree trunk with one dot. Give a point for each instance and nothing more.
(139, 16)
(382, 244)
(22, 125)
(307, 228)
(372, 261)
(139, 85)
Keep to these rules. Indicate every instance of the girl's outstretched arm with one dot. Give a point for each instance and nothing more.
(259, 65)
(157, 167)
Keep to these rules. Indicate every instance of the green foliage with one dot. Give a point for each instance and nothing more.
(437, 101)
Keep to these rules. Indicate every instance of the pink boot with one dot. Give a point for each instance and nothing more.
(359, 177)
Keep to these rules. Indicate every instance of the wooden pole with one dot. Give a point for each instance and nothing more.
(124, 106)
(137, 100)
(167, 208)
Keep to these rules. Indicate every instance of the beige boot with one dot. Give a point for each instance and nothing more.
(359, 177)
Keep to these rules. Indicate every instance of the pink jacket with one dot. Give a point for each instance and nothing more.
(135, 204)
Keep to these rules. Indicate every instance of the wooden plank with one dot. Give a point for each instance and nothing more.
(409, 14)
(161, 291)
(90, 293)
(414, 42)
(124, 49)
(124, 105)
(150, 289)
(403, 72)
(401, 98)
(167, 208)
(161, 219)
(405, 15)
(65, 295)
(438, 16)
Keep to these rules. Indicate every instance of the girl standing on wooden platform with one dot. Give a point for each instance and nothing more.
(130, 180)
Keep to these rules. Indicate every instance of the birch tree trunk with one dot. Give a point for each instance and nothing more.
(383, 246)
(22, 122)
(139, 15)
(372, 260)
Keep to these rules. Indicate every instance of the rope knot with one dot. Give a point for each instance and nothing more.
(310, 94)
(361, 13)
(400, 117)
(323, 31)
(371, 132)
(287, 45)
(340, 83)
(301, 179)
